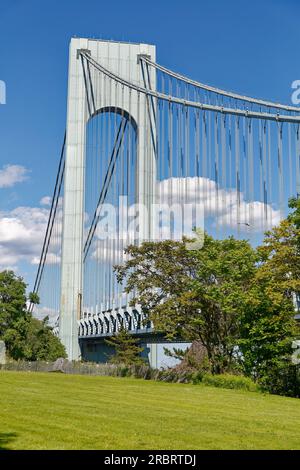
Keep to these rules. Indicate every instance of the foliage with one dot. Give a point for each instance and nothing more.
(294, 216)
(25, 337)
(267, 329)
(175, 353)
(268, 326)
(225, 268)
(280, 259)
(193, 363)
(281, 378)
(12, 299)
(193, 294)
(32, 340)
(162, 273)
(34, 298)
(238, 382)
(126, 349)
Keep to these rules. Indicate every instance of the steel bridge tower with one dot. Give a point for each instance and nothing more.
(122, 59)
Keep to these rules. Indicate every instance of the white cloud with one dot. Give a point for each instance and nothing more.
(12, 174)
(46, 201)
(220, 204)
(40, 312)
(21, 234)
(52, 258)
(108, 252)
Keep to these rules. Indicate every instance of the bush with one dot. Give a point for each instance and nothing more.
(282, 378)
(237, 382)
(32, 340)
(197, 377)
(126, 349)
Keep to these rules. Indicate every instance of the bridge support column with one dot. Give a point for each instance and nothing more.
(122, 59)
(73, 213)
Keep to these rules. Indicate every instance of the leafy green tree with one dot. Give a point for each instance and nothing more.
(193, 294)
(25, 336)
(267, 328)
(268, 324)
(280, 259)
(160, 275)
(294, 216)
(34, 298)
(126, 348)
(225, 271)
(12, 299)
(32, 340)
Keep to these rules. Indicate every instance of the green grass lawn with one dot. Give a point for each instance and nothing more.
(56, 411)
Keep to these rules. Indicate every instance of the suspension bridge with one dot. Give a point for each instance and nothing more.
(141, 139)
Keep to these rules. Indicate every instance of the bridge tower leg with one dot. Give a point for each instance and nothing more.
(123, 60)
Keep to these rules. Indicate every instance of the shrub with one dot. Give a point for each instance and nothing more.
(230, 381)
(126, 349)
(281, 378)
(197, 377)
(32, 340)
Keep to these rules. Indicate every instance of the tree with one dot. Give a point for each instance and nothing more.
(160, 276)
(268, 326)
(12, 299)
(193, 294)
(294, 216)
(32, 340)
(225, 271)
(34, 298)
(25, 337)
(126, 348)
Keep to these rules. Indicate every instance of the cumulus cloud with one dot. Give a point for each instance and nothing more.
(12, 174)
(40, 312)
(52, 258)
(46, 201)
(108, 252)
(214, 206)
(219, 204)
(22, 232)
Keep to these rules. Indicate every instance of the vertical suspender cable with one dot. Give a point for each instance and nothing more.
(265, 184)
(270, 172)
(298, 161)
(251, 173)
(223, 174)
(280, 170)
(216, 152)
(237, 173)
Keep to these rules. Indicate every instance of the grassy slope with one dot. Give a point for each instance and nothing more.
(53, 411)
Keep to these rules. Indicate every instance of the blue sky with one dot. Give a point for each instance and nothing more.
(250, 47)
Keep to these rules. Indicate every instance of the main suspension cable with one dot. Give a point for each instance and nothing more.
(188, 103)
(219, 91)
